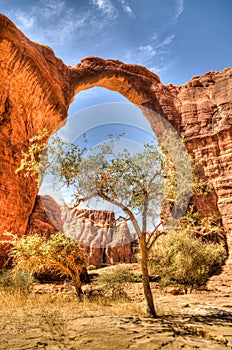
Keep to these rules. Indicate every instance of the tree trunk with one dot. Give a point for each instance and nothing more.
(77, 284)
(145, 277)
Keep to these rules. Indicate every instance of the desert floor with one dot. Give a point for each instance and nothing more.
(52, 318)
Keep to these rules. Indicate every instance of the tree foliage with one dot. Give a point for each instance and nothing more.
(134, 182)
(60, 253)
(185, 256)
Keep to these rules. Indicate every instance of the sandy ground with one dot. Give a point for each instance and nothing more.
(52, 319)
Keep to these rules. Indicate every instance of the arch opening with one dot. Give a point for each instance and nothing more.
(110, 113)
(114, 119)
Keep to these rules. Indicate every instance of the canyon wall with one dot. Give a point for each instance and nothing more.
(45, 218)
(103, 242)
(37, 88)
(94, 230)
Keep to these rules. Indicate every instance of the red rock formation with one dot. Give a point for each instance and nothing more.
(37, 88)
(205, 105)
(45, 218)
(95, 230)
(34, 93)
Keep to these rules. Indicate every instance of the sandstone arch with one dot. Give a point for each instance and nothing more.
(37, 89)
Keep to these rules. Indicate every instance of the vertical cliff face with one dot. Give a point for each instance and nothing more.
(103, 241)
(206, 123)
(94, 230)
(45, 218)
(205, 105)
(34, 93)
(37, 88)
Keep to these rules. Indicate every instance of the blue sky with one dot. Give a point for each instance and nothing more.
(175, 38)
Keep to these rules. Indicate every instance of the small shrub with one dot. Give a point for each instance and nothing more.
(60, 254)
(105, 293)
(113, 284)
(20, 281)
(182, 259)
(118, 276)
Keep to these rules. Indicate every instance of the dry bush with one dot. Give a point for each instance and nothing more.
(111, 285)
(60, 254)
(182, 259)
(18, 280)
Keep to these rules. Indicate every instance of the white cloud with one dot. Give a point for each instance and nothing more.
(48, 8)
(153, 55)
(128, 10)
(106, 7)
(161, 67)
(54, 23)
(25, 22)
(143, 55)
(146, 52)
(166, 42)
(59, 25)
(179, 8)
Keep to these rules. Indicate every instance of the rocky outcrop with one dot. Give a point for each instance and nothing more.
(94, 230)
(37, 88)
(45, 218)
(103, 241)
(205, 105)
(33, 85)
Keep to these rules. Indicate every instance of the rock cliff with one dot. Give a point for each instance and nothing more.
(45, 218)
(94, 230)
(37, 88)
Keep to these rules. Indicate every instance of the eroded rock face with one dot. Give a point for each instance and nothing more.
(37, 88)
(95, 230)
(32, 90)
(45, 218)
(206, 122)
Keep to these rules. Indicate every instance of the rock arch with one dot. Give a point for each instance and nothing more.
(37, 89)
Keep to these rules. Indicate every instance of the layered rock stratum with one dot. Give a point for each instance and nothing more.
(45, 218)
(103, 241)
(96, 231)
(37, 89)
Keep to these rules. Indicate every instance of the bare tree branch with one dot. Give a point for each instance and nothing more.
(120, 205)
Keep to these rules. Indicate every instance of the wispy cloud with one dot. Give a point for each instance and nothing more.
(166, 42)
(142, 55)
(59, 24)
(152, 55)
(106, 7)
(127, 8)
(179, 8)
(24, 21)
(55, 23)
(48, 8)
(52, 21)
(96, 28)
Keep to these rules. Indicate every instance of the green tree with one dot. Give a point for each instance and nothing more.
(133, 182)
(60, 253)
